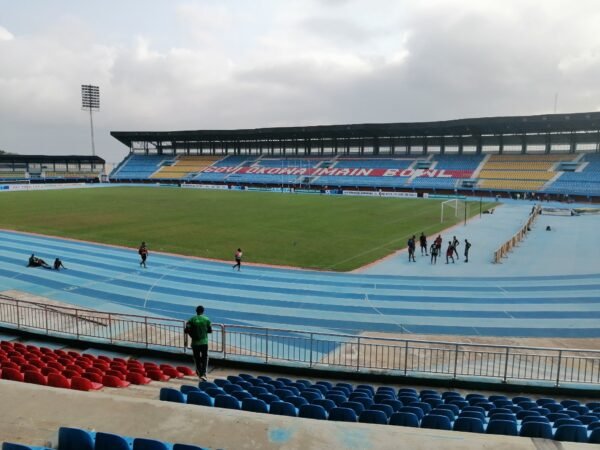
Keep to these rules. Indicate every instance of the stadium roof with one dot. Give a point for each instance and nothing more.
(539, 124)
(50, 158)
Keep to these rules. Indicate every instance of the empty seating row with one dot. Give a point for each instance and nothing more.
(73, 370)
(516, 175)
(497, 414)
(184, 166)
(79, 439)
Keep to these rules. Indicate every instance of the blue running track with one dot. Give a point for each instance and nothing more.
(110, 279)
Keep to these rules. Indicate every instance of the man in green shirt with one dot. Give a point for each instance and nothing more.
(198, 328)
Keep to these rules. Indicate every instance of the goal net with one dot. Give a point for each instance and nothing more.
(454, 209)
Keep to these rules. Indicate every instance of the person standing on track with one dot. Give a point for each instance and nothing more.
(450, 252)
(455, 244)
(423, 242)
(411, 249)
(143, 252)
(467, 247)
(238, 259)
(438, 244)
(198, 328)
(434, 253)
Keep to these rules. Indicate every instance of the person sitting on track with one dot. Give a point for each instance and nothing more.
(37, 262)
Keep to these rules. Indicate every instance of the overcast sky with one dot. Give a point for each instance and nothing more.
(173, 65)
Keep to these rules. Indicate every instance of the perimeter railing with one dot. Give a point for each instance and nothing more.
(505, 248)
(311, 349)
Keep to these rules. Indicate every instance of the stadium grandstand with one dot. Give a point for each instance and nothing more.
(553, 155)
(50, 169)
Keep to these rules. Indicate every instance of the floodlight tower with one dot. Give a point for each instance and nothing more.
(90, 101)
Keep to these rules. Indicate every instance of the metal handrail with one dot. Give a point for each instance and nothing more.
(344, 352)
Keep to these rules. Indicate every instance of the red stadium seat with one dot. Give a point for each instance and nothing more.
(30, 367)
(48, 357)
(137, 378)
(35, 378)
(48, 370)
(75, 368)
(65, 361)
(18, 360)
(46, 351)
(56, 365)
(101, 365)
(157, 375)
(120, 360)
(83, 384)
(119, 368)
(92, 358)
(10, 365)
(115, 373)
(9, 373)
(19, 346)
(32, 348)
(114, 382)
(93, 377)
(68, 373)
(94, 370)
(105, 358)
(187, 371)
(37, 363)
(139, 370)
(73, 354)
(171, 371)
(151, 365)
(60, 353)
(59, 381)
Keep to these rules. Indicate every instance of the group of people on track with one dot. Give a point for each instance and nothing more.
(34, 261)
(435, 250)
(143, 252)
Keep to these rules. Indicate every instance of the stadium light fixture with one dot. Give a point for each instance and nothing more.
(90, 101)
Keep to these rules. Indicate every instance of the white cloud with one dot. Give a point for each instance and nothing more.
(266, 63)
(5, 35)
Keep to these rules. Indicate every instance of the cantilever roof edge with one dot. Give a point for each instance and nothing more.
(473, 126)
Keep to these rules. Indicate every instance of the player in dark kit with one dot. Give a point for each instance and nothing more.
(423, 242)
(434, 253)
(467, 247)
(455, 244)
(438, 244)
(450, 253)
(143, 252)
(411, 249)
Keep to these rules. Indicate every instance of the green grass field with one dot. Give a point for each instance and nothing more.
(322, 232)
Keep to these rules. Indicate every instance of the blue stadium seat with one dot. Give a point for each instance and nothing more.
(424, 406)
(595, 436)
(468, 425)
(389, 389)
(378, 398)
(312, 412)
(285, 381)
(75, 439)
(327, 384)
(246, 376)
(509, 416)
(429, 392)
(227, 401)
(581, 409)
(542, 419)
(265, 378)
(443, 412)
(519, 399)
(283, 409)
(505, 427)
(241, 395)
(557, 415)
(571, 413)
(373, 416)
(495, 398)
(594, 425)
(407, 399)
(365, 401)
(234, 378)
(346, 385)
(413, 410)
(502, 403)
(325, 403)
(306, 383)
(310, 395)
(148, 444)
(472, 414)
(455, 409)
(474, 408)
(187, 447)
(268, 398)
(283, 393)
(395, 404)
(206, 384)
(356, 406)
(342, 390)
(276, 384)
(587, 419)
(593, 405)
(171, 395)
(569, 403)
(257, 390)
(220, 382)
(545, 401)
(244, 385)
(337, 399)
(459, 403)
(433, 402)
(359, 393)
(338, 414)
(541, 410)
(407, 391)
(386, 409)
(404, 419)
(213, 392)
(536, 430)
(255, 405)
(231, 388)
(494, 411)
(522, 414)
(199, 398)
(320, 388)
(560, 422)
(571, 433)
(296, 401)
(108, 441)
(436, 422)
(186, 388)
(554, 407)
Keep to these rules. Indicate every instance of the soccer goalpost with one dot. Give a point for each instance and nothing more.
(454, 208)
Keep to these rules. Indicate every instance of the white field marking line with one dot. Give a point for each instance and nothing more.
(168, 270)
(74, 287)
(402, 329)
